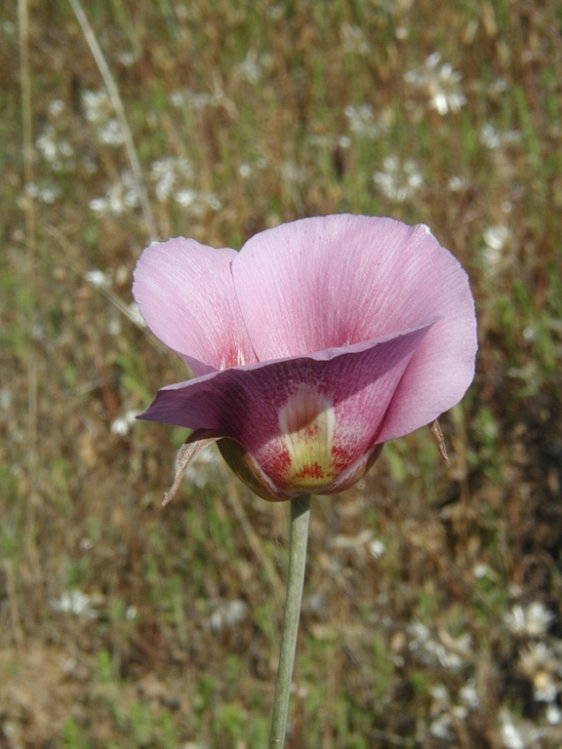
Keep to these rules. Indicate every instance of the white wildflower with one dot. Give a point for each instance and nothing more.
(453, 654)
(511, 735)
(177, 98)
(499, 86)
(362, 121)
(440, 83)
(213, 201)
(533, 621)
(250, 68)
(172, 178)
(98, 278)
(544, 669)
(489, 136)
(203, 469)
(398, 181)
(75, 602)
(197, 202)
(480, 571)
(538, 619)
(354, 40)
(47, 145)
(440, 695)
(169, 175)
(377, 548)
(119, 198)
(114, 327)
(185, 197)
(110, 133)
(419, 635)
(195, 100)
(6, 398)
(469, 695)
(97, 106)
(122, 424)
(228, 615)
(126, 58)
(55, 108)
(45, 194)
(492, 138)
(57, 151)
(100, 113)
(440, 728)
(458, 183)
(495, 239)
(131, 613)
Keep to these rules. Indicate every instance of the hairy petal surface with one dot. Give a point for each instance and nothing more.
(186, 295)
(303, 424)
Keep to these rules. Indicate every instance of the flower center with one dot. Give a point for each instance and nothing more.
(307, 422)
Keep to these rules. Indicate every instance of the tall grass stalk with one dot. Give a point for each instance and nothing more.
(117, 102)
(30, 240)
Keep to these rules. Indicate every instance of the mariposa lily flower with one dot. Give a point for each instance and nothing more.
(315, 344)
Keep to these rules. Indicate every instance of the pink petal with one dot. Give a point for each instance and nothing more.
(263, 407)
(186, 295)
(336, 280)
(436, 378)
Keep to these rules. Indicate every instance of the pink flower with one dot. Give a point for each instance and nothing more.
(315, 344)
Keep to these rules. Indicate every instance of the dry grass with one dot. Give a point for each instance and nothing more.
(432, 604)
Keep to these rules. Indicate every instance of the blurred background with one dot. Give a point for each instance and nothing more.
(432, 614)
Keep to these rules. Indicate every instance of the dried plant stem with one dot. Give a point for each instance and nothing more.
(117, 102)
(300, 517)
(13, 608)
(30, 239)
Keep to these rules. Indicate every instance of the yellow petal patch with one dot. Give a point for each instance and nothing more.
(307, 422)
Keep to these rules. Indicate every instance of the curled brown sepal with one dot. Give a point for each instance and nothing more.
(197, 441)
(439, 440)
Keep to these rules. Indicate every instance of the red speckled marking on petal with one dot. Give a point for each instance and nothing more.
(281, 463)
(312, 471)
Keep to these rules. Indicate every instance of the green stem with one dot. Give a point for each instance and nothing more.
(300, 516)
